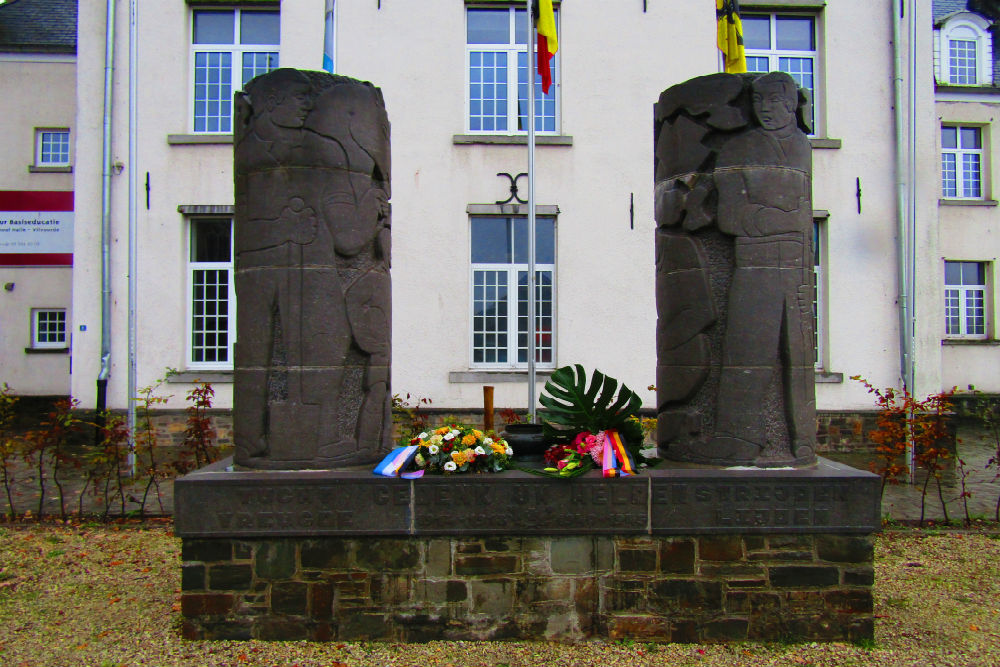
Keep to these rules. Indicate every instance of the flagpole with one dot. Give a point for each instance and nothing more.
(531, 213)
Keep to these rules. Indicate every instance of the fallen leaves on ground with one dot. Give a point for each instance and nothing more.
(111, 599)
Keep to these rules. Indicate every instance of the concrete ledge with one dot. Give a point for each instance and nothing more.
(512, 139)
(828, 498)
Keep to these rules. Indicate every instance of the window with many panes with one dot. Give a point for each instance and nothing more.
(500, 291)
(52, 148)
(497, 62)
(964, 51)
(785, 43)
(48, 328)
(819, 296)
(961, 162)
(230, 47)
(965, 303)
(211, 321)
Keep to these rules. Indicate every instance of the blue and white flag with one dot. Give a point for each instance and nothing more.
(328, 38)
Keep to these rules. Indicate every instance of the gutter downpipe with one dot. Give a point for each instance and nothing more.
(904, 205)
(133, 182)
(109, 64)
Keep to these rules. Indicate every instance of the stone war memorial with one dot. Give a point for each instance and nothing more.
(741, 533)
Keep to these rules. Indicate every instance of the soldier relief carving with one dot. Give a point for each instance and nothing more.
(312, 230)
(734, 272)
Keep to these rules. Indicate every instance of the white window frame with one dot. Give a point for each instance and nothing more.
(512, 50)
(820, 297)
(774, 55)
(191, 267)
(964, 26)
(964, 297)
(62, 333)
(512, 269)
(40, 133)
(236, 50)
(961, 168)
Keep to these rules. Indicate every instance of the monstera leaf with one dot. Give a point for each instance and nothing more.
(573, 405)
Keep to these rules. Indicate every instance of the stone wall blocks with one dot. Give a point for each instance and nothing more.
(672, 595)
(803, 576)
(772, 556)
(720, 547)
(276, 628)
(725, 630)
(852, 602)
(677, 556)
(493, 597)
(571, 555)
(859, 576)
(378, 555)
(192, 577)
(636, 560)
(230, 577)
(737, 570)
(437, 560)
(326, 554)
(845, 548)
(486, 564)
(290, 597)
(275, 559)
(638, 627)
(206, 604)
(207, 551)
(790, 542)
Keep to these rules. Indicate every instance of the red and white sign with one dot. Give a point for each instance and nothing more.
(36, 228)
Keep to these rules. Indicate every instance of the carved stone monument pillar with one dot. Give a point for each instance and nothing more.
(311, 386)
(734, 272)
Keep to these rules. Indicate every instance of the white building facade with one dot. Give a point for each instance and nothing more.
(449, 72)
(38, 76)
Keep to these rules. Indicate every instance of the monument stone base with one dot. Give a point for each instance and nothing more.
(681, 554)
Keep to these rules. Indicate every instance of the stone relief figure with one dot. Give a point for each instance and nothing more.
(734, 272)
(312, 235)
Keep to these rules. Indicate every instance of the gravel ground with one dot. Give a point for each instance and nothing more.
(106, 596)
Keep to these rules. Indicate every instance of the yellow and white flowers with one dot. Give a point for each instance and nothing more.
(460, 448)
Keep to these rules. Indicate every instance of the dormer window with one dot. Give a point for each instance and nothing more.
(965, 51)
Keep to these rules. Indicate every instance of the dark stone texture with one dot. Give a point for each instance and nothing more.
(192, 577)
(674, 595)
(734, 272)
(230, 577)
(289, 597)
(206, 550)
(726, 630)
(205, 604)
(275, 560)
(845, 548)
(720, 548)
(364, 625)
(378, 555)
(677, 557)
(321, 601)
(325, 554)
(863, 576)
(851, 601)
(312, 229)
(827, 498)
(803, 576)
(466, 565)
(280, 629)
(456, 591)
(636, 560)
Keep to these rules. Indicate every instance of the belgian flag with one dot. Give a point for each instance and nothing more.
(730, 35)
(548, 42)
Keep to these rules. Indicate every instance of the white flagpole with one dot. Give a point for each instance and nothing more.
(531, 213)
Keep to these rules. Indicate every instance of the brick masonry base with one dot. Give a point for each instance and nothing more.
(701, 588)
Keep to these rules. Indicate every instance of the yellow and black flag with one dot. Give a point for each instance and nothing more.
(730, 35)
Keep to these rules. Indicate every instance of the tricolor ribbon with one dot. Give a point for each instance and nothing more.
(615, 452)
(396, 460)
